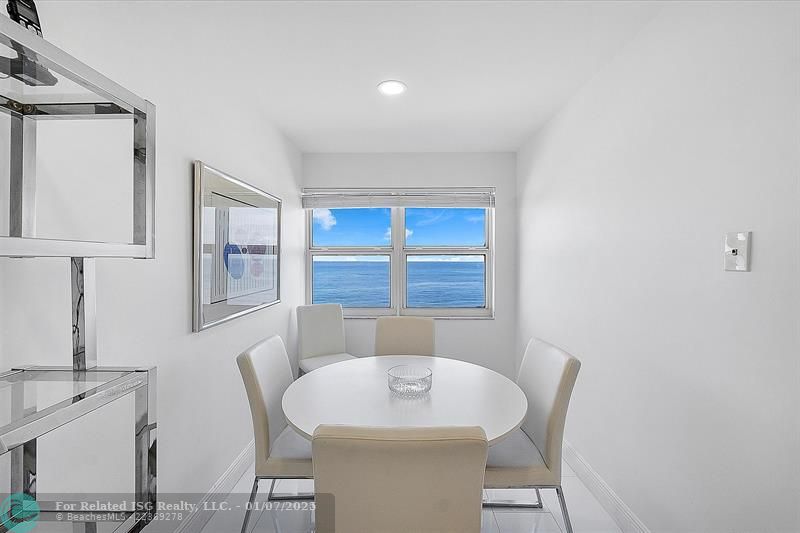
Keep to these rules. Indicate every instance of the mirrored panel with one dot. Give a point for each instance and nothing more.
(236, 245)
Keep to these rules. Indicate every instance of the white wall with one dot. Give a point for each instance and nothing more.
(145, 306)
(2, 316)
(687, 402)
(486, 342)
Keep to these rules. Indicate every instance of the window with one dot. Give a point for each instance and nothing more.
(408, 258)
(456, 281)
(352, 228)
(352, 280)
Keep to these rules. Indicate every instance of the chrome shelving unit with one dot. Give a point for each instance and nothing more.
(43, 82)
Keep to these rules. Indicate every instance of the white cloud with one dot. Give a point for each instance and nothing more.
(387, 236)
(325, 218)
(433, 216)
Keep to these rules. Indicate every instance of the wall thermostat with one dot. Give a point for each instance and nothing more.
(737, 251)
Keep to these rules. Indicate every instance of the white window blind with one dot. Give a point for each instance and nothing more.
(480, 197)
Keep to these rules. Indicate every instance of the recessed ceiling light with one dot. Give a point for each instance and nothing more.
(392, 87)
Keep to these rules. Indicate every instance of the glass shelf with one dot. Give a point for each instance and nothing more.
(35, 400)
(25, 393)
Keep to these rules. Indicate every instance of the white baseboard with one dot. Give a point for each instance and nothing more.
(197, 519)
(627, 521)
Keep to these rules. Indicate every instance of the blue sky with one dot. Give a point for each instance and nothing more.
(443, 227)
(351, 227)
(424, 227)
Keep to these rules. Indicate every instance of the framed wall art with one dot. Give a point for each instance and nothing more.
(236, 247)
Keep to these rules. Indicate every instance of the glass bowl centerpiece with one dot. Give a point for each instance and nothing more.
(410, 380)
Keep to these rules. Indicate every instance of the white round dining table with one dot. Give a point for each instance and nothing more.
(356, 392)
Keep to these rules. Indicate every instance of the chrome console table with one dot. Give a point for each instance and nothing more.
(64, 395)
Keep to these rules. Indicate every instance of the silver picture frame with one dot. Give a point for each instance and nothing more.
(237, 240)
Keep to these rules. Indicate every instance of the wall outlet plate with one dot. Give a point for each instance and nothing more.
(737, 251)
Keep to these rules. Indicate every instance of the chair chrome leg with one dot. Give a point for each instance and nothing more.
(249, 508)
(564, 512)
(272, 497)
(495, 504)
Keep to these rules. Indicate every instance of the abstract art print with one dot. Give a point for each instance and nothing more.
(236, 247)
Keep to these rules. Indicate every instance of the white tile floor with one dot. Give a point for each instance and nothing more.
(586, 513)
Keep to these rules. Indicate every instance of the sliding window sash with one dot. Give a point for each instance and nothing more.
(389, 250)
(486, 251)
(356, 312)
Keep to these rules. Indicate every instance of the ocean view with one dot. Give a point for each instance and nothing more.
(430, 283)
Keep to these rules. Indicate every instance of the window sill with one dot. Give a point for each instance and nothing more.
(368, 317)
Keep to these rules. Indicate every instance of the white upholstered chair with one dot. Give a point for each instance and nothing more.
(281, 453)
(404, 335)
(531, 456)
(398, 479)
(320, 332)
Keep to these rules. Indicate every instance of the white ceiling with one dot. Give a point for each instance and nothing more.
(482, 76)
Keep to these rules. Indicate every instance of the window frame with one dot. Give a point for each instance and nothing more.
(399, 252)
